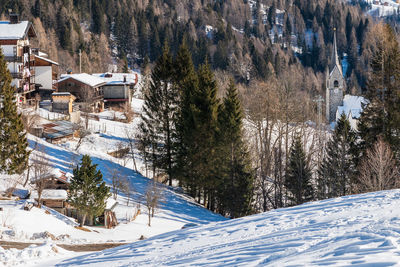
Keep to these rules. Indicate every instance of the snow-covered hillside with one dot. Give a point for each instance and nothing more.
(355, 230)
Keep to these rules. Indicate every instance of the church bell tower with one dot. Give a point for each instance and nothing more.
(334, 84)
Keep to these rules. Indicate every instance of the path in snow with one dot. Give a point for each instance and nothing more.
(354, 230)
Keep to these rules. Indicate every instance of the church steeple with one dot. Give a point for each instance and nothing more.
(335, 84)
(335, 57)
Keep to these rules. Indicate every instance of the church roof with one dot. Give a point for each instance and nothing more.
(335, 57)
(352, 105)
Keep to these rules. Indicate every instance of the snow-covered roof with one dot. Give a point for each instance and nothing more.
(46, 59)
(55, 194)
(110, 203)
(61, 94)
(15, 31)
(58, 174)
(117, 78)
(352, 104)
(85, 78)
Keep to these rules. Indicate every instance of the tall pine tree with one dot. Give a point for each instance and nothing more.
(88, 192)
(13, 143)
(380, 117)
(298, 176)
(186, 83)
(205, 111)
(336, 172)
(159, 113)
(235, 184)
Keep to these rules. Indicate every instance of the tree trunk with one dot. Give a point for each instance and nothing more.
(83, 220)
(149, 218)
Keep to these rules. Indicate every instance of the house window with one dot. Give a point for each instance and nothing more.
(336, 84)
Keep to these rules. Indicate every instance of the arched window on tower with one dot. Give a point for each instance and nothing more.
(336, 84)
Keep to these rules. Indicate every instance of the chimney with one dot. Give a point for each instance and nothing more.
(14, 18)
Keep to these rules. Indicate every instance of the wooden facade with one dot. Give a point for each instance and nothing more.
(85, 94)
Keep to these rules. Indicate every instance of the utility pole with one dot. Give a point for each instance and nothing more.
(80, 61)
(319, 101)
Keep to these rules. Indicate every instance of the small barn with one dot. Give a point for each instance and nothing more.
(53, 198)
(62, 102)
(55, 190)
(58, 131)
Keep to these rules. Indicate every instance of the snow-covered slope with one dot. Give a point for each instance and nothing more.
(354, 230)
(175, 210)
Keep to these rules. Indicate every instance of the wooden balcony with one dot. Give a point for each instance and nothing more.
(16, 75)
(13, 59)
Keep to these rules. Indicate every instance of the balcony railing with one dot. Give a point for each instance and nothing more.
(13, 59)
(16, 75)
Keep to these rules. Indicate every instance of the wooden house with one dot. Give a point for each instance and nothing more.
(15, 37)
(55, 190)
(87, 89)
(46, 75)
(119, 88)
(62, 102)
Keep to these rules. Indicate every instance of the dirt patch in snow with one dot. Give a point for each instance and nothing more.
(75, 248)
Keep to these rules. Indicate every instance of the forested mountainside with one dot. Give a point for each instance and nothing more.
(248, 38)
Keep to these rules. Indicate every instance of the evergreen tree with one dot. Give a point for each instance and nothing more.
(235, 185)
(88, 192)
(205, 110)
(125, 67)
(186, 83)
(159, 112)
(298, 176)
(337, 169)
(13, 143)
(381, 116)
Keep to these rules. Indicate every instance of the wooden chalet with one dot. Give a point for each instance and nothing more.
(55, 192)
(46, 75)
(87, 89)
(15, 37)
(119, 88)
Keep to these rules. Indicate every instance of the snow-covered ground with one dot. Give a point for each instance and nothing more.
(382, 8)
(32, 255)
(359, 230)
(47, 225)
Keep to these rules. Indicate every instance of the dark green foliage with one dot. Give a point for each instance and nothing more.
(235, 187)
(159, 113)
(337, 170)
(13, 143)
(204, 108)
(186, 83)
(98, 25)
(298, 176)
(125, 67)
(381, 118)
(88, 192)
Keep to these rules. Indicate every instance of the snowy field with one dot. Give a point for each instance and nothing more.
(51, 228)
(359, 230)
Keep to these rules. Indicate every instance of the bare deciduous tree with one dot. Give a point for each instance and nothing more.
(127, 188)
(378, 169)
(130, 137)
(40, 167)
(153, 198)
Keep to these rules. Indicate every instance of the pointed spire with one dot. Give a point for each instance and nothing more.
(335, 56)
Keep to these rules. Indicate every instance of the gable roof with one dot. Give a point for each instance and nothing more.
(352, 105)
(85, 78)
(118, 78)
(47, 60)
(16, 31)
